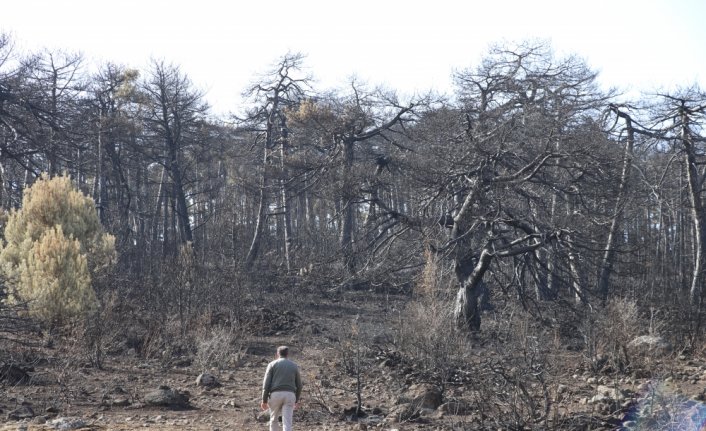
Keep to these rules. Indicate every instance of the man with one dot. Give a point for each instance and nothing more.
(281, 389)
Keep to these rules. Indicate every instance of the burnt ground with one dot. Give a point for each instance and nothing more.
(336, 340)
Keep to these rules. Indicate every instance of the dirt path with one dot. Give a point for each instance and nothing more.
(80, 392)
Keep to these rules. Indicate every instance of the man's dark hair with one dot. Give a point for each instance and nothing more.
(283, 351)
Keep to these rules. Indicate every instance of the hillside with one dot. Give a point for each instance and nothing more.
(514, 374)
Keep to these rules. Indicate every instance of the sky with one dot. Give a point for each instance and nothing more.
(410, 46)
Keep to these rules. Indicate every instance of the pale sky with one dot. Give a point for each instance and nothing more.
(410, 46)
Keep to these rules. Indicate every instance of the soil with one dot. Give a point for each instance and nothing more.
(321, 332)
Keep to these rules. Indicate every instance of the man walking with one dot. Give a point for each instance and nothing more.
(281, 389)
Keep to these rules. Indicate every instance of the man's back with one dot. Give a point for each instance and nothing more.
(281, 389)
(283, 375)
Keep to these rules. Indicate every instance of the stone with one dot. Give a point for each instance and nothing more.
(611, 392)
(207, 380)
(66, 424)
(39, 420)
(263, 417)
(121, 402)
(599, 399)
(165, 396)
(116, 397)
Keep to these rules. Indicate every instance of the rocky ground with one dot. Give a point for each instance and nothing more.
(337, 362)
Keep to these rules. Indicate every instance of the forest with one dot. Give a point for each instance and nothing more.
(529, 204)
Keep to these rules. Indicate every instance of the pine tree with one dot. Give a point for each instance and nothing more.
(53, 244)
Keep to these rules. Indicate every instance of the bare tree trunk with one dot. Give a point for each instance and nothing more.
(545, 288)
(4, 196)
(178, 194)
(99, 184)
(371, 214)
(471, 287)
(697, 209)
(609, 253)
(469, 271)
(168, 224)
(138, 217)
(683, 283)
(284, 195)
(349, 208)
(577, 282)
(261, 218)
(236, 223)
(552, 255)
(158, 209)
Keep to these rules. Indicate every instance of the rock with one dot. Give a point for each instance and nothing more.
(207, 380)
(121, 402)
(350, 413)
(263, 417)
(650, 344)
(22, 412)
(599, 399)
(167, 397)
(231, 403)
(39, 420)
(611, 392)
(68, 423)
(116, 397)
